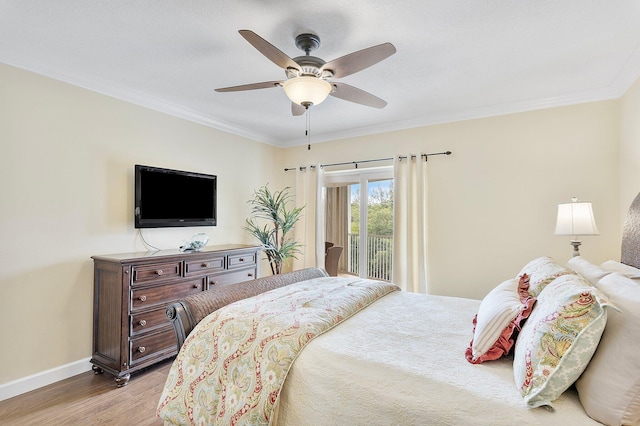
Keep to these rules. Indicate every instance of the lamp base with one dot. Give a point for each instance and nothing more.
(575, 245)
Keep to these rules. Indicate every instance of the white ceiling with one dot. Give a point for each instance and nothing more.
(456, 59)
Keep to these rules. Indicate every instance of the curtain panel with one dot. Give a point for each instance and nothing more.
(337, 220)
(410, 223)
(310, 193)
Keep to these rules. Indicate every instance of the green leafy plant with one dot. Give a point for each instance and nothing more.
(274, 234)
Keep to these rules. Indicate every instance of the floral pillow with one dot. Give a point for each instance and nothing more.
(499, 318)
(558, 340)
(541, 272)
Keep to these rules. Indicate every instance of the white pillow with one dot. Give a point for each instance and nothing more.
(621, 268)
(609, 389)
(500, 315)
(589, 271)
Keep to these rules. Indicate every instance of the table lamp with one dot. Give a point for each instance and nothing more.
(576, 219)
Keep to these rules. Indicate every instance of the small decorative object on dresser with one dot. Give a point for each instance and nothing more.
(133, 290)
(195, 243)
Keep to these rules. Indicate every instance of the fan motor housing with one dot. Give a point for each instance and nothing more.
(309, 65)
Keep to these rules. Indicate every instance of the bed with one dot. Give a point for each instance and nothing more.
(361, 352)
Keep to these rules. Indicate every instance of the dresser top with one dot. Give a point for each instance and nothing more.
(161, 254)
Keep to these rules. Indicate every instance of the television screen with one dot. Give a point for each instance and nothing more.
(165, 197)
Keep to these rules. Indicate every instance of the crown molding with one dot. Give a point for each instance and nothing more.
(627, 76)
(141, 99)
(471, 114)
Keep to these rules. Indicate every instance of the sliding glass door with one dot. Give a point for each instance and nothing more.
(369, 216)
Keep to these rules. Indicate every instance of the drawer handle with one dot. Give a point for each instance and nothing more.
(249, 274)
(196, 286)
(141, 349)
(241, 259)
(159, 272)
(142, 323)
(142, 298)
(214, 283)
(205, 265)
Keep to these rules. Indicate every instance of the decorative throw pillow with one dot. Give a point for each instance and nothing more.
(559, 338)
(589, 271)
(541, 272)
(499, 318)
(609, 388)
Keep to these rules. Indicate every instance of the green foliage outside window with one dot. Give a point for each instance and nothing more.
(379, 231)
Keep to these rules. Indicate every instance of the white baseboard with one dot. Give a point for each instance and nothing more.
(44, 378)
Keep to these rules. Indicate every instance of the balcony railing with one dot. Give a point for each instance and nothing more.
(379, 254)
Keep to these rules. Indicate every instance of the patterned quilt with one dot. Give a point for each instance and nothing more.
(233, 364)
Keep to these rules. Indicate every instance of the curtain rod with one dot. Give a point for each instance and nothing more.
(425, 156)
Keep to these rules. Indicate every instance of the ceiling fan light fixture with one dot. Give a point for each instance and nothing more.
(307, 90)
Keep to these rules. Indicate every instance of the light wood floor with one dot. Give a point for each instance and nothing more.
(88, 399)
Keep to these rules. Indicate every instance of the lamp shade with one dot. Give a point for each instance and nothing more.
(576, 218)
(307, 90)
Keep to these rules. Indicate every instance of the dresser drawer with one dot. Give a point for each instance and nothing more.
(163, 294)
(233, 277)
(213, 264)
(148, 321)
(242, 260)
(155, 272)
(152, 345)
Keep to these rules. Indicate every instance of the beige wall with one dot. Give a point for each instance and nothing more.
(66, 186)
(492, 203)
(629, 146)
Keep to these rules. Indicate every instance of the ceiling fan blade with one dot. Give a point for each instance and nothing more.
(353, 94)
(252, 86)
(297, 109)
(357, 61)
(272, 53)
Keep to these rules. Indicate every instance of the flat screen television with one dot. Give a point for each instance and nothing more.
(168, 198)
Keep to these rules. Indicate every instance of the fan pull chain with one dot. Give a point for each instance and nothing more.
(308, 131)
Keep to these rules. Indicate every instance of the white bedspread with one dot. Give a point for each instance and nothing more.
(401, 362)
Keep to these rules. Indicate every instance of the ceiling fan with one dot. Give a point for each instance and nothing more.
(308, 77)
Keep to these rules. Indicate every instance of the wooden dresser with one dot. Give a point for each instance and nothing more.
(133, 290)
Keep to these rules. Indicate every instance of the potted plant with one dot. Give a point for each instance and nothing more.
(274, 234)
